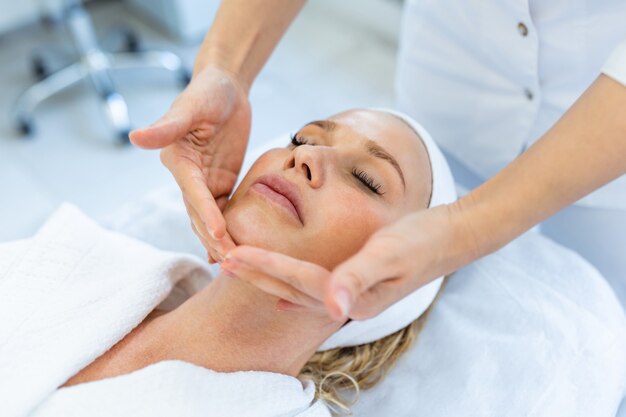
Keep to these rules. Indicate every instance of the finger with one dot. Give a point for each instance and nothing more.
(174, 125)
(204, 242)
(211, 259)
(199, 234)
(197, 225)
(378, 297)
(221, 202)
(270, 285)
(379, 260)
(196, 193)
(217, 249)
(216, 257)
(224, 245)
(304, 276)
(212, 255)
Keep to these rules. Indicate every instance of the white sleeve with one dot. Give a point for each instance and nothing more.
(615, 67)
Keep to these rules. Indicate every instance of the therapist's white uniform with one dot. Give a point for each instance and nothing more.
(488, 77)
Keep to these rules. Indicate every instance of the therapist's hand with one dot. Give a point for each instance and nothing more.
(204, 136)
(395, 261)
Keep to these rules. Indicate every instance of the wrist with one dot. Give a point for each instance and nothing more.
(466, 244)
(228, 62)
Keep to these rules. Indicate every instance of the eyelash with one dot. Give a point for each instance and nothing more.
(367, 181)
(357, 173)
(297, 140)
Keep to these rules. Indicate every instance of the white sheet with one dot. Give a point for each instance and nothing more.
(72, 292)
(532, 330)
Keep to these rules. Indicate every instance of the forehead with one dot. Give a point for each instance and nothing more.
(383, 128)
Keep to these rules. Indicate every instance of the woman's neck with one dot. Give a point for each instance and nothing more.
(232, 326)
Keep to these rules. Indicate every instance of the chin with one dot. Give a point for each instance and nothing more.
(249, 225)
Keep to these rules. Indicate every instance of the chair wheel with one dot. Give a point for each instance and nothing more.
(132, 42)
(184, 78)
(123, 138)
(25, 126)
(39, 67)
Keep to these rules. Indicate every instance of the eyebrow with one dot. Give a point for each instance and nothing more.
(378, 151)
(327, 125)
(371, 146)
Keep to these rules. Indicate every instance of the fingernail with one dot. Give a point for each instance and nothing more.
(230, 263)
(230, 258)
(212, 233)
(344, 300)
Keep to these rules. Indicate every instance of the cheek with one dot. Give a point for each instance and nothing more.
(345, 224)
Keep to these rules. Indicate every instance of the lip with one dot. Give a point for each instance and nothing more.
(281, 192)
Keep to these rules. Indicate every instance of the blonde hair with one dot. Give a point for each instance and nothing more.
(359, 367)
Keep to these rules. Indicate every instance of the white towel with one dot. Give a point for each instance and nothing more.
(175, 388)
(75, 290)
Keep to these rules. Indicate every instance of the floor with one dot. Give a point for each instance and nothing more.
(73, 156)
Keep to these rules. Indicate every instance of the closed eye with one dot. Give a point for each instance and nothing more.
(367, 181)
(298, 140)
(359, 174)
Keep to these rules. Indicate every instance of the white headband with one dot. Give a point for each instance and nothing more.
(403, 312)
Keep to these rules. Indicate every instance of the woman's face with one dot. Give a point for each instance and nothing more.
(339, 181)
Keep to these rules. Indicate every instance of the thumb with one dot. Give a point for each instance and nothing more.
(174, 125)
(352, 278)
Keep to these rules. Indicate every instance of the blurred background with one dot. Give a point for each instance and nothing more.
(336, 55)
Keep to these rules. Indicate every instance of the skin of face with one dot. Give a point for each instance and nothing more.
(338, 212)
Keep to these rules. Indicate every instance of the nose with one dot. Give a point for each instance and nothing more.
(307, 161)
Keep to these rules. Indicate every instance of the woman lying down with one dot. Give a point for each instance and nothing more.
(93, 331)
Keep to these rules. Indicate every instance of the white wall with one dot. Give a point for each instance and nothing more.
(189, 20)
(380, 16)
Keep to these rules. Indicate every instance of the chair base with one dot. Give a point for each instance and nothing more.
(94, 65)
(96, 69)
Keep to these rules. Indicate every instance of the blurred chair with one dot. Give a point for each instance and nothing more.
(92, 64)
